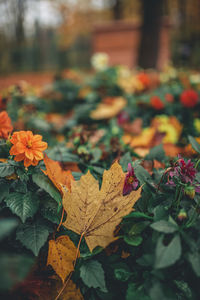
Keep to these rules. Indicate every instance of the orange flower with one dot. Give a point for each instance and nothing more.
(27, 147)
(144, 79)
(5, 125)
(156, 103)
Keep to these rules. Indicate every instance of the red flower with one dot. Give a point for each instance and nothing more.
(189, 98)
(5, 125)
(144, 79)
(156, 103)
(131, 181)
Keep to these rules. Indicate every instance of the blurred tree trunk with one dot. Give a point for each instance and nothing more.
(118, 10)
(152, 18)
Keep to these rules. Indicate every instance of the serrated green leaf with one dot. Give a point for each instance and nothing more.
(167, 255)
(4, 188)
(44, 183)
(6, 170)
(49, 210)
(23, 205)
(33, 235)
(164, 226)
(92, 275)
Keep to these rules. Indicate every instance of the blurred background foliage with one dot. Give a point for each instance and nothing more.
(38, 35)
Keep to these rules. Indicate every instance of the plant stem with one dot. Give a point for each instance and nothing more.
(179, 198)
(197, 163)
(61, 220)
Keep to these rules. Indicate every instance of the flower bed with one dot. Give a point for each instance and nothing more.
(100, 186)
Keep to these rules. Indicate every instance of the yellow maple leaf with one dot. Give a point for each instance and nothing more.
(108, 110)
(95, 213)
(71, 292)
(56, 174)
(61, 256)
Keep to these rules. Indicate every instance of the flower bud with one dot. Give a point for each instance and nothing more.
(190, 191)
(182, 215)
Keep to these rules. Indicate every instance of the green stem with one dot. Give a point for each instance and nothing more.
(197, 163)
(179, 198)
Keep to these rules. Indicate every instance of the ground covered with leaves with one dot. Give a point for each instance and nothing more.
(100, 186)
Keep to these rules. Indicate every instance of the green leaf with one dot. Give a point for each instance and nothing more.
(96, 153)
(194, 259)
(157, 153)
(6, 226)
(23, 205)
(44, 183)
(92, 275)
(164, 226)
(4, 188)
(133, 240)
(133, 293)
(195, 145)
(137, 228)
(6, 170)
(125, 159)
(141, 174)
(167, 255)
(122, 273)
(184, 288)
(33, 235)
(138, 215)
(49, 209)
(77, 175)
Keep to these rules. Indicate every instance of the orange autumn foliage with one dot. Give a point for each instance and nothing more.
(27, 147)
(58, 176)
(5, 125)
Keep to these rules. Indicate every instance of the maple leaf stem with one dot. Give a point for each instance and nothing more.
(68, 278)
(61, 220)
(78, 247)
(64, 286)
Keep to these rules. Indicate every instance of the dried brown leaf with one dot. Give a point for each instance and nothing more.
(56, 174)
(95, 213)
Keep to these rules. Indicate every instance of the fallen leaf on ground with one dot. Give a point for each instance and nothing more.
(95, 213)
(108, 110)
(61, 256)
(56, 174)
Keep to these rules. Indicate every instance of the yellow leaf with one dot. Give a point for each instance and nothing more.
(95, 213)
(108, 110)
(72, 292)
(61, 256)
(56, 174)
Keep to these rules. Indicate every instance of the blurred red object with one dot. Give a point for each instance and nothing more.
(189, 98)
